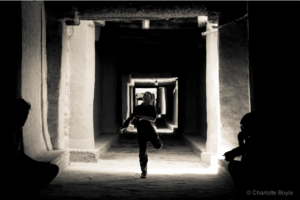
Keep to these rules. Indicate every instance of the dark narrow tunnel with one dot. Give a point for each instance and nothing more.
(156, 53)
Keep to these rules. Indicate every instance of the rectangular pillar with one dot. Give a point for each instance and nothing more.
(175, 104)
(82, 81)
(65, 86)
(162, 100)
(125, 97)
(33, 75)
(131, 100)
(212, 90)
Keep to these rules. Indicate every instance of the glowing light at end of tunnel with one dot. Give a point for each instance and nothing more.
(146, 24)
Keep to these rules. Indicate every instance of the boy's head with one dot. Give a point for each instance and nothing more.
(249, 123)
(147, 97)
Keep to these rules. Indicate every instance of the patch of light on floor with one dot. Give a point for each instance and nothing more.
(183, 171)
(94, 169)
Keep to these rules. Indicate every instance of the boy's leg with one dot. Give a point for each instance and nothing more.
(143, 155)
(157, 143)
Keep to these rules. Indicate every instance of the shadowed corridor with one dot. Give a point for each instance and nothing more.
(76, 64)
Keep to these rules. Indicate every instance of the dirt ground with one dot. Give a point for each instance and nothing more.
(174, 172)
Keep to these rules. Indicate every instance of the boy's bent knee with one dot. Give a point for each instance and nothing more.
(159, 146)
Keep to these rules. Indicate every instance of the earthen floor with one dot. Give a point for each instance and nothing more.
(174, 172)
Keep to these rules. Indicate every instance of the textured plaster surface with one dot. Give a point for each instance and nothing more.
(143, 12)
(102, 144)
(98, 92)
(135, 9)
(233, 76)
(84, 156)
(65, 88)
(82, 80)
(62, 97)
(212, 92)
(55, 83)
(45, 103)
(67, 34)
(34, 143)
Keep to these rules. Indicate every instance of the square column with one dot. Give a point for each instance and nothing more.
(82, 82)
(175, 104)
(33, 79)
(212, 90)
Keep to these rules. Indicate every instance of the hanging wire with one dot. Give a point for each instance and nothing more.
(233, 22)
(218, 27)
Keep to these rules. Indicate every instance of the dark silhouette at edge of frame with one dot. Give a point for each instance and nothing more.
(28, 176)
(260, 173)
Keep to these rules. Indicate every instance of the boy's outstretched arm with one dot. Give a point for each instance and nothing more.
(150, 119)
(126, 123)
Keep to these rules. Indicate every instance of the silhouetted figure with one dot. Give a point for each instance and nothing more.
(30, 176)
(244, 172)
(144, 117)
